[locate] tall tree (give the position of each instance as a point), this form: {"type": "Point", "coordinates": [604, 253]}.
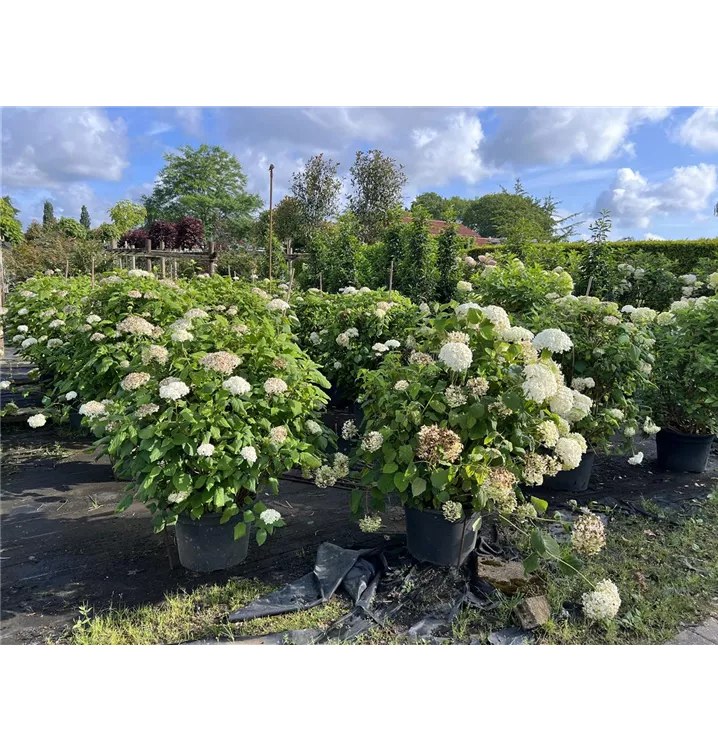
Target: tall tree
{"type": "Point", "coordinates": [85, 218]}
{"type": "Point", "coordinates": [417, 268]}
{"type": "Point", "coordinates": [447, 263]}
{"type": "Point", "coordinates": [48, 215]}
{"type": "Point", "coordinates": [434, 203]}
{"type": "Point", "coordinates": [377, 182]}
{"type": "Point", "coordinates": [127, 215]}
{"type": "Point", "coordinates": [10, 227]}
{"type": "Point", "coordinates": [316, 190]}
{"type": "Point", "coordinates": [205, 183]}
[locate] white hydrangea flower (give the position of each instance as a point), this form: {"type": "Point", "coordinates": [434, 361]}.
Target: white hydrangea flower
{"type": "Point", "coordinates": [461, 310]}
{"type": "Point", "coordinates": [134, 380]}
{"type": "Point", "coordinates": [278, 435]}
{"type": "Point", "coordinates": [274, 386]}
{"type": "Point", "coordinates": [617, 414]}
{"type": "Point", "coordinates": [681, 304]}
{"type": "Point", "coordinates": [498, 316]}
{"type": "Point", "coordinates": [603, 602]}
{"type": "Point", "coordinates": [28, 342]}
{"type": "Point", "coordinates": [464, 286]}
{"type": "Point", "coordinates": [456, 356]}
{"type": "Point", "coordinates": [277, 305]}
{"type": "Point", "coordinates": [4, 385]}
{"type": "Point", "coordinates": [205, 450]}
{"type": "Point", "coordinates": [349, 430]}
{"type": "Point", "coordinates": [221, 362]}
{"type": "Point", "coordinates": [380, 348]}
{"type": "Point", "coordinates": [688, 278]}
{"type": "Point", "coordinates": [581, 406]}
{"type": "Point", "coordinates": [314, 338]}
{"type": "Point", "coordinates": [92, 409]}
{"type": "Point", "coordinates": [37, 420]}
{"type": "Point", "coordinates": [23, 311]}
{"type": "Point", "coordinates": [455, 396]}
{"type": "Point", "coordinates": [270, 516]}
{"type": "Point", "coordinates": [22, 329]}
{"type": "Point", "coordinates": [611, 320]}
{"type": "Point", "coordinates": [392, 344]}
{"type": "Point", "coordinates": [401, 385]}
{"type": "Point", "coordinates": [665, 318]}
{"type": "Point", "coordinates": [540, 383]}
{"type": "Point", "coordinates": [561, 402]}
{"type": "Point", "coordinates": [629, 432]}
{"type": "Point", "coordinates": [569, 452]}
{"type": "Point", "coordinates": [553, 339]}
{"type": "Point", "coordinates": [636, 459]}
{"type": "Point", "coordinates": [372, 442]}
{"type": "Point", "coordinates": [643, 315]}
{"type": "Point", "coordinates": [582, 384]}
{"type": "Point", "coordinates": [173, 389]}
{"type": "Point", "coordinates": [342, 339]}
{"type": "Point", "coordinates": [97, 336]}
{"type": "Point", "coordinates": [54, 343]}
{"type": "Point", "coordinates": [249, 454]}
{"type": "Point", "coordinates": [548, 434]}
{"type": "Point", "coordinates": [237, 386]}
{"type": "Point", "coordinates": [182, 334]}
{"type": "Point", "coordinates": [516, 334]}
{"type": "Point", "coordinates": [650, 427]}
{"type": "Point", "coordinates": [713, 280]}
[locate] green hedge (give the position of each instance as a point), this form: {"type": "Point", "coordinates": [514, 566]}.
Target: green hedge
{"type": "Point", "coordinates": [683, 255]}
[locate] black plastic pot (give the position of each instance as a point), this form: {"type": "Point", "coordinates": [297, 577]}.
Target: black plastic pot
{"type": "Point", "coordinates": [681, 451]}
{"type": "Point", "coordinates": [573, 480]}
{"type": "Point", "coordinates": [431, 538]}
{"type": "Point", "coordinates": [205, 545]}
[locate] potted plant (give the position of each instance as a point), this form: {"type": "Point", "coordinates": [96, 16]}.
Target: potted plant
{"type": "Point", "coordinates": [207, 415]}
{"type": "Point", "coordinates": [606, 368]}
{"type": "Point", "coordinates": [456, 425]}
{"type": "Point", "coordinates": [685, 401]}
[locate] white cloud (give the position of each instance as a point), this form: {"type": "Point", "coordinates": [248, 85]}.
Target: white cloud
{"type": "Point", "coordinates": [191, 119]}
{"type": "Point", "coordinates": [651, 236]}
{"type": "Point", "coordinates": [700, 130]}
{"type": "Point", "coordinates": [67, 200]}
{"type": "Point", "coordinates": [557, 135]}
{"type": "Point", "coordinates": [157, 128]}
{"type": "Point", "coordinates": [633, 201]}
{"type": "Point", "coordinates": [48, 146]}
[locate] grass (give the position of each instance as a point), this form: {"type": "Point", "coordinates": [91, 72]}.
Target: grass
{"type": "Point", "coordinates": [201, 614]}
{"type": "Point", "coordinates": [666, 569]}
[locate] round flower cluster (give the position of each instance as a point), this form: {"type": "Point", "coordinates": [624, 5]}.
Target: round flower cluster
{"type": "Point", "coordinates": [643, 315]}
{"type": "Point", "coordinates": [22, 329]}
{"type": "Point", "coordinates": [97, 336]}
{"type": "Point", "coordinates": [278, 435]}
{"type": "Point", "coordinates": [553, 339]}
{"type": "Point", "coordinates": [195, 312]}
{"type": "Point", "coordinates": [452, 511]}
{"type": "Point", "coordinates": [516, 334]}
{"type": "Point", "coordinates": [277, 305]}
{"type": "Point", "coordinates": [456, 356]}
{"type": "Point", "coordinates": [37, 420]}
{"type": "Point", "coordinates": [540, 383]}
{"type": "Point", "coordinates": [92, 409]}
{"type": "Point", "coordinates": [457, 337]}
{"type": "Point", "coordinates": [315, 338]}
{"type": "Point", "coordinates": [372, 441]}
{"type": "Point", "coordinates": [173, 389]}
{"type": "Point", "coordinates": [146, 409]}
{"type": "Point", "coordinates": [370, 524]}
{"type": "Point", "coordinates": [380, 348]}
{"type": "Point", "coordinates": [525, 512]}
{"type": "Point", "coordinates": [569, 451]}
{"type": "Point", "coordinates": [138, 273]}
{"type": "Point", "coordinates": [325, 477]}
{"type": "Point", "coordinates": [617, 414]}
{"type": "Point", "coordinates": [401, 385]}
{"type": "Point", "coordinates": [205, 450]}
{"type": "Point", "coordinates": [436, 444]}
{"type": "Point", "coordinates": [455, 396]}
{"type": "Point", "coordinates": [498, 316]}
{"type": "Point", "coordinates": [70, 395]}
{"type": "Point", "coordinates": [28, 342]}
{"type": "Point", "coordinates": [636, 459]}
{"type": "Point", "coordinates": [182, 334]}
{"type": "Point", "coordinates": [392, 344]}
{"type": "Point", "coordinates": [270, 516]}
{"type": "Point", "coordinates": [134, 294]}
{"type": "Point", "coordinates": [54, 343]}
{"type": "Point", "coordinates": [603, 602]}
{"type": "Point", "coordinates": [154, 353]}
{"type": "Point", "coordinates": [236, 386]}
{"type": "Point", "coordinates": [464, 286]}
{"type": "Point", "coordinates": [588, 536]}
{"type": "Point", "coordinates": [499, 487]}
{"type": "Point", "coordinates": [312, 427]}
{"type": "Point", "coordinates": [134, 380]}
{"type": "Point", "coordinates": [536, 466]}
{"type": "Point", "coordinates": [611, 320]}
{"type": "Point", "coordinates": [349, 430]}
{"type": "Point", "coordinates": [221, 362]}
{"type": "Point", "coordinates": [274, 386]}
{"type": "Point", "coordinates": [582, 384]}
{"type": "Point", "coordinates": [421, 358]}
{"type": "Point", "coordinates": [477, 387]}
{"type": "Point", "coordinates": [650, 427]}
{"type": "Point", "coordinates": [136, 325]}
{"type": "Point", "coordinates": [249, 454]}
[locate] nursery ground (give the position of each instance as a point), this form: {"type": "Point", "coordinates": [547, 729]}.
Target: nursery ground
{"type": "Point", "coordinates": [66, 552]}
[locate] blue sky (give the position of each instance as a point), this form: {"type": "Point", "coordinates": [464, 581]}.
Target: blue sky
{"type": "Point", "coordinates": [656, 169]}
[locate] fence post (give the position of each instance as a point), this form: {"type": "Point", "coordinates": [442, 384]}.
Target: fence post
{"type": "Point", "coordinates": [212, 259]}
{"type": "Point", "coordinates": [321, 288]}
{"type": "Point", "coordinates": [67, 268]}
{"type": "Point", "coordinates": [148, 249]}
{"type": "Point", "coordinates": [133, 259]}
{"type": "Point", "coordinates": [391, 275]}
{"type": "Point", "coordinates": [163, 267]}
{"type": "Point", "coordinates": [92, 270]}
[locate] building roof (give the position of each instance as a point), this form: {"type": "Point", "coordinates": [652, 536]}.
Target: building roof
{"type": "Point", "coordinates": [436, 226]}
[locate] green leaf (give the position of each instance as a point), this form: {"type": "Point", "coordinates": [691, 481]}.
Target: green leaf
{"type": "Point", "coordinates": [355, 501]}
{"type": "Point", "coordinates": [248, 516]}
{"type": "Point", "coordinates": [240, 530]}
{"type": "Point", "coordinates": [439, 478]}
{"type": "Point", "coordinates": [261, 537]}
{"type": "Point", "coordinates": [531, 563]}
{"type": "Point", "coordinates": [540, 505]}
{"type": "Point", "coordinates": [418, 487]}
{"type": "Point", "coordinates": [390, 468]}
{"type": "Point", "coordinates": [401, 481]}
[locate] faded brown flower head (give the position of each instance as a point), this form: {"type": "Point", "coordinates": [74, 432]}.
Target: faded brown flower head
{"type": "Point", "coordinates": [438, 444]}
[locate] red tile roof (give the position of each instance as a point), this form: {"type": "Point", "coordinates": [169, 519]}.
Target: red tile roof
{"type": "Point", "coordinates": [436, 226]}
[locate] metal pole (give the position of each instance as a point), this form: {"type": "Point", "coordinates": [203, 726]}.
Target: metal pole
{"type": "Point", "coordinates": [391, 275]}
{"type": "Point", "coordinates": [271, 186]}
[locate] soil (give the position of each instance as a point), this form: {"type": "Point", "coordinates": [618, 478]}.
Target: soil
{"type": "Point", "coordinates": [63, 545]}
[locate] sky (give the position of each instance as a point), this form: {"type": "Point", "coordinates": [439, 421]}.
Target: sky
{"type": "Point", "coordinates": [655, 169]}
